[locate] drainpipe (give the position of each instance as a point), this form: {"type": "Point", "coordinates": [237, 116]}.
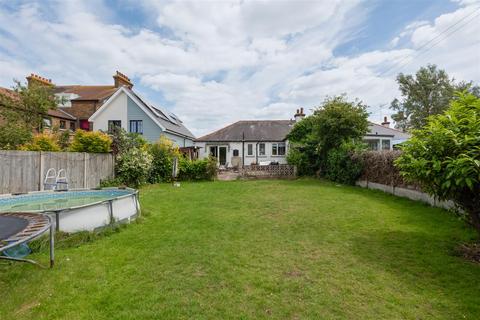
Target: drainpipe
{"type": "Point", "coordinates": [256, 152]}
{"type": "Point", "coordinates": [243, 150]}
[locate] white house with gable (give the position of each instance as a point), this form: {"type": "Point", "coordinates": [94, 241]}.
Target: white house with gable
{"type": "Point", "coordinates": [126, 109]}
{"type": "Point", "coordinates": [265, 141]}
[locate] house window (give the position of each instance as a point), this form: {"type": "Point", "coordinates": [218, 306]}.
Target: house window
{"type": "Point", "coordinates": [213, 151]}
{"type": "Point", "coordinates": [278, 149]}
{"type": "Point", "coordinates": [113, 124]}
{"type": "Point", "coordinates": [261, 149]}
{"type": "Point", "coordinates": [63, 124]}
{"type": "Point", "coordinates": [249, 149]}
{"type": "Point", "coordinates": [47, 122]}
{"type": "Point", "coordinates": [385, 144]}
{"type": "Point", "coordinates": [136, 126]}
{"type": "Point", "coordinates": [372, 144]}
{"type": "Point", "coordinates": [72, 125]}
{"type": "Point", "coordinates": [235, 153]}
{"type": "Point", "coordinates": [281, 148]}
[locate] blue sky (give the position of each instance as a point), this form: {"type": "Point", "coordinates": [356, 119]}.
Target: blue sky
{"type": "Point", "coordinates": [216, 62]}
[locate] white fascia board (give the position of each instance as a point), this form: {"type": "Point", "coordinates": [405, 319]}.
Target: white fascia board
{"type": "Point", "coordinates": [145, 109]}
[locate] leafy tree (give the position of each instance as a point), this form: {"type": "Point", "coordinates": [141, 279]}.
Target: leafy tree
{"type": "Point", "coordinates": [303, 147]}
{"type": "Point", "coordinates": [426, 93]}
{"type": "Point", "coordinates": [22, 110]}
{"type": "Point", "coordinates": [338, 120]}
{"type": "Point", "coordinates": [334, 122]}
{"type": "Point", "coordinates": [13, 134]}
{"type": "Point", "coordinates": [28, 104]}
{"type": "Point", "coordinates": [444, 156]}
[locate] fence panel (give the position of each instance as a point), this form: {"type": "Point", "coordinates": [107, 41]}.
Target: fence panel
{"type": "Point", "coordinates": [271, 171]}
{"type": "Point", "coordinates": [24, 171]}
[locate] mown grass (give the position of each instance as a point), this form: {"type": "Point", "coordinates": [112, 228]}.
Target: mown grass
{"type": "Point", "coordinates": [301, 249]}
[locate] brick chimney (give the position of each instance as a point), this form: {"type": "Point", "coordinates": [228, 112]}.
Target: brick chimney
{"type": "Point", "coordinates": [122, 80]}
{"type": "Point", "coordinates": [385, 122]}
{"type": "Point", "coordinates": [36, 79]}
{"type": "Point", "coordinates": [299, 115]}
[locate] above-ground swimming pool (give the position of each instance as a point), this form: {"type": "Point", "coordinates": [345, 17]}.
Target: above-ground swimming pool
{"type": "Point", "coordinates": [77, 210]}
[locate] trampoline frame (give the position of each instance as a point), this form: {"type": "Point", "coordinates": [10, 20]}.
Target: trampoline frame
{"type": "Point", "coordinates": [18, 238]}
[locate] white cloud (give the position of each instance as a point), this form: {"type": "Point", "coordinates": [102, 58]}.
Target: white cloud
{"type": "Point", "coordinates": [225, 61]}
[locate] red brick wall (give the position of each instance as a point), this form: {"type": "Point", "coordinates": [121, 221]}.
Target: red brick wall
{"type": "Point", "coordinates": [82, 109]}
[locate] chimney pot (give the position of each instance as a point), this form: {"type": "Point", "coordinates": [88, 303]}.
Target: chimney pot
{"type": "Point", "coordinates": [122, 80]}
{"type": "Point", "coordinates": [385, 122]}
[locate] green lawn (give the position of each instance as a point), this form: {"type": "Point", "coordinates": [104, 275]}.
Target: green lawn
{"type": "Point", "coordinates": [301, 249]}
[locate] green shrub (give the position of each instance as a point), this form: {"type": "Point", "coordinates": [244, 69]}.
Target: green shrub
{"type": "Point", "coordinates": [13, 135]}
{"type": "Point", "coordinates": [444, 156]}
{"type": "Point", "coordinates": [42, 142]}
{"type": "Point", "coordinates": [64, 140]}
{"type": "Point", "coordinates": [204, 169]}
{"type": "Point", "coordinates": [90, 141]}
{"type": "Point", "coordinates": [123, 141]}
{"type": "Point", "coordinates": [299, 157]}
{"type": "Point", "coordinates": [341, 165]}
{"type": "Point", "coordinates": [163, 152]}
{"type": "Point", "coordinates": [113, 182]}
{"type": "Point", "coordinates": [133, 166]}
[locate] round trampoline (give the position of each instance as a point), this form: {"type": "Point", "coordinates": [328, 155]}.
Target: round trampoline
{"type": "Point", "coordinates": [17, 228]}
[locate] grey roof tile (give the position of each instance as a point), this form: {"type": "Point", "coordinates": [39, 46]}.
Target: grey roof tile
{"type": "Point", "coordinates": [252, 130]}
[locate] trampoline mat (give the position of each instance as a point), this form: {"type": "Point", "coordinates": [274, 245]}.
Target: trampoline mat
{"type": "Point", "coordinates": [10, 226]}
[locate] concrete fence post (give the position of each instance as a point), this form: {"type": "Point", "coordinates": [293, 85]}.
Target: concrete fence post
{"type": "Point", "coordinates": [85, 170]}
{"type": "Point", "coordinates": [41, 169]}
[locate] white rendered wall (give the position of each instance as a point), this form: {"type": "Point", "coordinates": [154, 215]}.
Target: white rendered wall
{"type": "Point", "coordinates": [116, 110]}
{"type": "Point", "coordinates": [205, 151]}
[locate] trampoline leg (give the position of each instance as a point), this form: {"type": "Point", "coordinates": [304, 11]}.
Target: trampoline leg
{"type": "Point", "coordinates": [52, 245]}
{"type": "Point", "coordinates": [23, 260]}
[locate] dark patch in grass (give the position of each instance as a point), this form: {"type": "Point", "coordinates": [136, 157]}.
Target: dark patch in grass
{"type": "Point", "coordinates": [469, 251]}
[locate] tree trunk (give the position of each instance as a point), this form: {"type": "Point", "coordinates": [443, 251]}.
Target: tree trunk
{"type": "Point", "coordinates": [475, 218]}
{"type": "Point", "coordinates": [470, 202]}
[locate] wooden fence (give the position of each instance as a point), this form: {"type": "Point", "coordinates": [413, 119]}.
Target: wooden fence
{"type": "Point", "coordinates": [24, 171]}
{"type": "Point", "coordinates": [284, 171]}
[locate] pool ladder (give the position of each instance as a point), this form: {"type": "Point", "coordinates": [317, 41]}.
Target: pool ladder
{"type": "Point", "coordinates": [55, 180]}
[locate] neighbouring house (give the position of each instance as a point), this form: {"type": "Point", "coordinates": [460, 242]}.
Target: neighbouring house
{"type": "Point", "coordinates": [126, 109]}
{"type": "Point", "coordinates": [265, 141]}
{"type": "Point", "coordinates": [249, 142]}
{"type": "Point", "coordinates": [382, 137]}
{"type": "Point", "coordinates": [102, 107]}
{"type": "Point", "coordinates": [51, 119]}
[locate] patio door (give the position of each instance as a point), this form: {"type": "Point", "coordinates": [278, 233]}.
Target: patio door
{"type": "Point", "coordinates": [213, 152]}
{"type": "Point", "coordinates": [222, 155]}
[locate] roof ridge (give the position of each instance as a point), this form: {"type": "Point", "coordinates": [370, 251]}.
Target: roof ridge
{"type": "Point", "coordinates": [216, 131]}
{"type": "Point", "coordinates": [393, 129]}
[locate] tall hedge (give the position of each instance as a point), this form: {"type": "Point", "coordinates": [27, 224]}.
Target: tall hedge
{"type": "Point", "coordinates": [379, 167]}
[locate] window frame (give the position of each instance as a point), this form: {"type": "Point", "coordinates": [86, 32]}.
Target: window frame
{"type": "Point", "coordinates": [250, 149]}
{"type": "Point", "coordinates": [387, 142]}
{"type": "Point", "coordinates": [72, 126]}
{"type": "Point", "coordinates": [136, 123]}
{"type": "Point", "coordinates": [260, 153]}
{"type": "Point", "coordinates": [114, 124]}
{"type": "Point", "coordinates": [279, 146]}
{"type": "Point", "coordinates": [62, 124]}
